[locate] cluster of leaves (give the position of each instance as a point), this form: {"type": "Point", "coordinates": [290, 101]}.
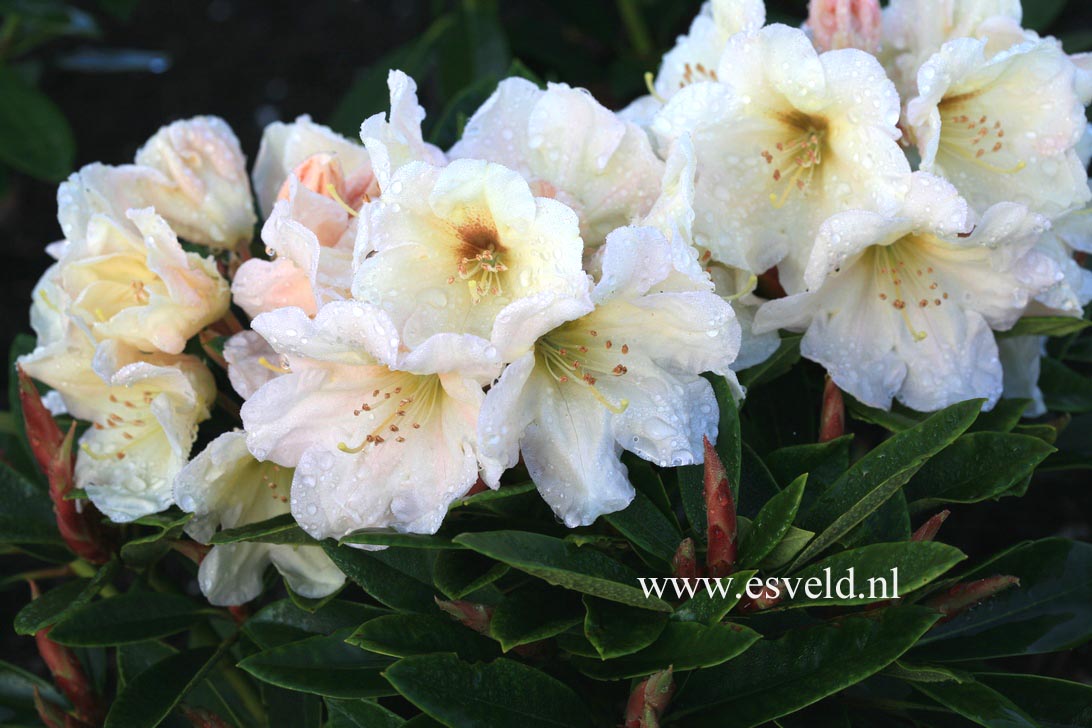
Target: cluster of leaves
{"type": "Point", "coordinates": [507, 618]}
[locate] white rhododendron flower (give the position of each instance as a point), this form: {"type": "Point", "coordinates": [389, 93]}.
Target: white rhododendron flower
{"type": "Point", "coordinates": [902, 305]}
{"type": "Point", "coordinates": [1003, 128]}
{"type": "Point", "coordinates": [673, 215]}
{"type": "Point", "coordinates": [208, 199]}
{"type": "Point", "coordinates": [570, 148]}
{"type": "Point", "coordinates": [786, 138]}
{"type": "Point", "coordinates": [225, 487]}
{"type": "Point", "coordinates": [378, 437]}
{"type": "Point", "coordinates": [395, 140]}
{"type": "Point", "coordinates": [192, 172]}
{"type": "Point", "coordinates": [133, 282]}
{"type": "Point", "coordinates": [249, 358]}
{"type": "Point", "coordinates": [696, 55]}
{"type": "Point", "coordinates": [454, 246]}
{"type": "Point", "coordinates": [285, 148]}
{"type": "Point", "coordinates": [916, 29]}
{"type": "Point", "coordinates": [623, 375]}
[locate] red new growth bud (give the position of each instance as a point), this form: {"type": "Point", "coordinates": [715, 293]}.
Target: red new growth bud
{"type": "Point", "coordinates": [684, 564]}
{"type": "Point", "coordinates": [957, 599]}
{"type": "Point", "coordinates": [68, 674]}
{"type": "Point", "coordinates": [720, 512]}
{"type": "Point", "coordinates": [649, 699]}
{"type": "Point", "coordinates": [82, 532]}
{"type": "Point", "coordinates": [53, 715]}
{"type": "Point", "coordinates": [832, 417]}
{"type": "Point", "coordinates": [474, 616]}
{"type": "Point", "coordinates": [201, 718]}
{"type": "Point", "coordinates": [928, 530]}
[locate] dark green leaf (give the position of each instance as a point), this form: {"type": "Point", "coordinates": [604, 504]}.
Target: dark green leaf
{"type": "Point", "coordinates": [323, 665]}
{"type": "Point", "coordinates": [145, 550]}
{"type": "Point", "coordinates": [771, 524]}
{"type": "Point", "coordinates": [710, 605]}
{"type": "Point", "coordinates": [132, 617]}
{"type": "Point", "coordinates": [283, 621]}
{"type": "Point", "coordinates": [918, 563]}
{"type": "Point", "coordinates": [1004, 416]}
{"type": "Point", "coordinates": [897, 419]}
{"type": "Point", "coordinates": [386, 537]}
{"type": "Point", "coordinates": [34, 135]}
{"type": "Point", "coordinates": [27, 515]}
{"type": "Point", "coordinates": [977, 466]}
{"type": "Point", "coordinates": [1064, 389]}
{"type": "Point", "coordinates": [280, 529]}
{"type": "Point", "coordinates": [648, 528]}
{"type": "Point", "coordinates": [402, 635]}
{"type": "Point", "coordinates": [978, 703]}
{"type": "Point", "coordinates": [787, 354]}
{"type": "Point", "coordinates": [777, 677]}
{"type": "Point", "coordinates": [874, 478]}
{"type": "Point", "coordinates": [822, 461]}
{"type": "Point", "coordinates": [534, 612]}
{"type": "Point", "coordinates": [488, 496]}
{"type": "Point", "coordinates": [682, 645]}
{"type": "Point", "coordinates": [360, 714]}
{"type": "Point", "coordinates": [1050, 610]}
{"type": "Point", "coordinates": [1051, 703]}
{"type": "Point", "coordinates": [17, 695]}
{"type": "Point", "coordinates": [458, 573]}
{"type": "Point", "coordinates": [149, 697]}
{"type": "Point", "coordinates": [500, 694]}
{"type": "Point", "coordinates": [615, 629]}
{"type": "Point", "coordinates": [55, 604]}
{"type": "Point", "coordinates": [399, 578]}
{"type": "Point", "coordinates": [563, 564]}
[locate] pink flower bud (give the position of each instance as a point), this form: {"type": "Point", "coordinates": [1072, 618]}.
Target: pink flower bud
{"type": "Point", "coordinates": [720, 511]}
{"type": "Point", "coordinates": [649, 699]}
{"type": "Point", "coordinates": [838, 24]}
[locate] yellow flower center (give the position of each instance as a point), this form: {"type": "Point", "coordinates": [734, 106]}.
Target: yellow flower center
{"type": "Point", "coordinates": [581, 357]}
{"type": "Point", "coordinates": [905, 280]}
{"type": "Point", "coordinates": [796, 158]}
{"type": "Point", "coordinates": [478, 255]}
{"type": "Point", "coordinates": [974, 137]}
{"type": "Point", "coordinates": [396, 409]}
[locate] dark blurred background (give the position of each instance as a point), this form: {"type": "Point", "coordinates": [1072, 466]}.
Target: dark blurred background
{"type": "Point", "coordinates": [90, 81]}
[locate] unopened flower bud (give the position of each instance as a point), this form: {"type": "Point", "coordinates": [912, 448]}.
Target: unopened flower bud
{"type": "Point", "coordinates": [720, 510]}
{"type": "Point", "coordinates": [838, 24]}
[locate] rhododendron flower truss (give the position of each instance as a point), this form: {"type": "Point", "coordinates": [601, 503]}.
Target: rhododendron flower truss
{"type": "Point", "coordinates": [623, 375]}
{"type": "Point", "coordinates": [225, 487]}
{"type": "Point", "coordinates": [1002, 128]}
{"type": "Point", "coordinates": [785, 138]}
{"type": "Point", "coordinates": [569, 148]}
{"type": "Point", "coordinates": [379, 437]}
{"type": "Point", "coordinates": [454, 246]}
{"type": "Point", "coordinates": [902, 306]}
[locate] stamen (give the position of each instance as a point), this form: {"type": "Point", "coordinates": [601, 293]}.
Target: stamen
{"type": "Point", "coordinates": [332, 192]}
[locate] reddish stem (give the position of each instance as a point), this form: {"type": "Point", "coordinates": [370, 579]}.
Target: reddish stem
{"type": "Point", "coordinates": [720, 509]}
